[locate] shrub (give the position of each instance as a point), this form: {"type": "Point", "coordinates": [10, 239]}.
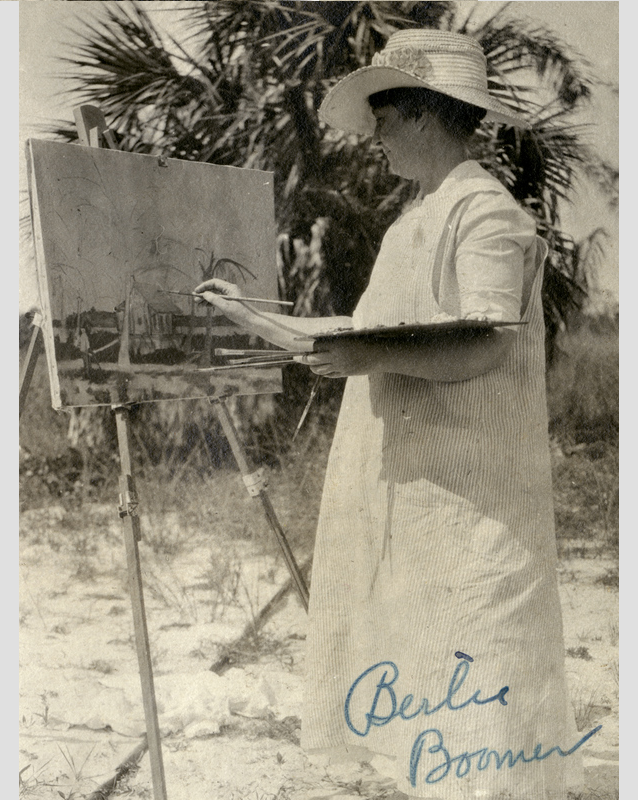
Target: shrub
{"type": "Point", "coordinates": [583, 384]}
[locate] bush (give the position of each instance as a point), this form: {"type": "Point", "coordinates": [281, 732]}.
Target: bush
{"type": "Point", "coordinates": [586, 502]}
{"type": "Point", "coordinates": [583, 384]}
{"type": "Point", "coordinates": [583, 422]}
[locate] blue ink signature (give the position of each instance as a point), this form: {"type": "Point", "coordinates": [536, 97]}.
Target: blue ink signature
{"type": "Point", "coordinates": [485, 756]}
{"type": "Point", "coordinates": [384, 689]}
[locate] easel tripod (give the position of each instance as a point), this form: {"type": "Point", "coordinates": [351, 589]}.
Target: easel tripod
{"type": "Point", "coordinates": [93, 131]}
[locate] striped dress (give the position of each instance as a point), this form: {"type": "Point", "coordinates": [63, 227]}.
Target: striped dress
{"type": "Point", "coordinates": [435, 561]}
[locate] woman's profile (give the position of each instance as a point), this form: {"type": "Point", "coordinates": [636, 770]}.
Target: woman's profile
{"type": "Point", "coordinates": [435, 644]}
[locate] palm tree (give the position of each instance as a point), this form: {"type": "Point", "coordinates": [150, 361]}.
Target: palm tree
{"type": "Point", "coordinates": [246, 93]}
{"type": "Point", "coordinates": [243, 89]}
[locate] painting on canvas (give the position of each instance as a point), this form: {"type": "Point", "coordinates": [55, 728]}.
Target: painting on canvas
{"type": "Point", "coordinates": [121, 241]}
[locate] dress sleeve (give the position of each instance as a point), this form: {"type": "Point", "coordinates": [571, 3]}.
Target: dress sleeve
{"type": "Point", "coordinates": [493, 237]}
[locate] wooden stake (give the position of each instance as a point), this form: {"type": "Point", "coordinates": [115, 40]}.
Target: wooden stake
{"type": "Point", "coordinates": [226, 662]}
{"type": "Point", "coordinates": [91, 125]}
{"type": "Point", "coordinates": [130, 763]}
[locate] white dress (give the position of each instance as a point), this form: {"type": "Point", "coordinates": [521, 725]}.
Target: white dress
{"type": "Point", "coordinates": [435, 556]}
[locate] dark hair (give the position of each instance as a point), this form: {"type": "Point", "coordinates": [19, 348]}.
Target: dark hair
{"type": "Point", "coordinates": [459, 119]}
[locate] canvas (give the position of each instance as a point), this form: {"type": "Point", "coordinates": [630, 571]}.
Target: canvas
{"type": "Point", "coordinates": [119, 237]}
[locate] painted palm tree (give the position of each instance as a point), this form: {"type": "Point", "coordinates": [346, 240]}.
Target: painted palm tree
{"type": "Point", "coordinates": [244, 89]}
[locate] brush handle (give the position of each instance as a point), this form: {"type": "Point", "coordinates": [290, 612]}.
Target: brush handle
{"type": "Point", "coordinates": [245, 365]}
{"type": "Point", "coordinates": [231, 297]}
{"type": "Point", "coordinates": [223, 351]}
{"type": "Point", "coordinates": [257, 300]}
{"type": "Point", "coordinates": [263, 359]}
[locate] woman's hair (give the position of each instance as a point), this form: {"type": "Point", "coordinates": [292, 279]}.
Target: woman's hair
{"type": "Point", "coordinates": [459, 119]}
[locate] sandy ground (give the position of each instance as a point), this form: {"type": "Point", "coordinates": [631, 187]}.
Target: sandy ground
{"type": "Point", "coordinates": [224, 737]}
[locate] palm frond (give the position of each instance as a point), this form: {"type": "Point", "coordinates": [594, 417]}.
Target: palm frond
{"type": "Point", "coordinates": [510, 46]}
{"type": "Point", "coordinates": [605, 176]}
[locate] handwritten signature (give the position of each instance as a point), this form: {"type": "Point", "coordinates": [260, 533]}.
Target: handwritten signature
{"type": "Point", "coordinates": [384, 689]}
{"type": "Point", "coordinates": [485, 756]}
{"type": "Point", "coordinates": [481, 759]}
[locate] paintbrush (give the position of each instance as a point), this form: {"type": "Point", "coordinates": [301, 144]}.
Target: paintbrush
{"type": "Point", "coordinates": [313, 392]}
{"type": "Point", "coordinates": [244, 365]}
{"type": "Point", "coordinates": [288, 357]}
{"type": "Point", "coordinates": [224, 351]}
{"type": "Point", "coordinates": [230, 297]}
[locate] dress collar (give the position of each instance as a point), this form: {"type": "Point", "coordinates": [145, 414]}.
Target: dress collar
{"type": "Point", "coordinates": [465, 170]}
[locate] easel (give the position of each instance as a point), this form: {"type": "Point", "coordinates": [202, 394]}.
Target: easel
{"type": "Point", "coordinates": [92, 132]}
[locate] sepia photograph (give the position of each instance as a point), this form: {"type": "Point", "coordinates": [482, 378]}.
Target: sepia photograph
{"type": "Point", "coordinates": [319, 390]}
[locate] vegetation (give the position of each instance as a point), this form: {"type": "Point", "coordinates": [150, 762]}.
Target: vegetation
{"type": "Point", "coordinates": [583, 383]}
{"type": "Point", "coordinates": [583, 422]}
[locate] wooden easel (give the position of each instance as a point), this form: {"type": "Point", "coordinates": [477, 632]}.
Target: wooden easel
{"type": "Point", "coordinates": [93, 132]}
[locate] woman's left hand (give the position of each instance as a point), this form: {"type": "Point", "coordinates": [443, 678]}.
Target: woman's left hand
{"type": "Point", "coordinates": [342, 358]}
{"type": "Point", "coordinates": [449, 361]}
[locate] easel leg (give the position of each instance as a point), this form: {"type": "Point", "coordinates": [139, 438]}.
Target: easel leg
{"type": "Point", "coordinates": [255, 488]}
{"type": "Point", "coordinates": [132, 535]}
{"type": "Point", "coordinates": [35, 346]}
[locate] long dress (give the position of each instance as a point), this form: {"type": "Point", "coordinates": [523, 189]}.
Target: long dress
{"type": "Point", "coordinates": [434, 572]}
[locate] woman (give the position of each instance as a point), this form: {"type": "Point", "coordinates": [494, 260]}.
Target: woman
{"type": "Point", "coordinates": [435, 646]}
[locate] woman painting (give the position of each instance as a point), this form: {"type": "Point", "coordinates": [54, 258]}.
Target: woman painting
{"type": "Point", "coordinates": [435, 645]}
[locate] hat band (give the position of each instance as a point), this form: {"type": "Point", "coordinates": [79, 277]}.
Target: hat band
{"type": "Point", "coordinates": [442, 69]}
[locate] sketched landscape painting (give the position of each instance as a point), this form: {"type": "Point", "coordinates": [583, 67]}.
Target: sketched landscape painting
{"type": "Point", "coordinates": [119, 237]}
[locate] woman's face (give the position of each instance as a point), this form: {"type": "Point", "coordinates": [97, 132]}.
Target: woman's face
{"type": "Point", "coordinates": [398, 137]}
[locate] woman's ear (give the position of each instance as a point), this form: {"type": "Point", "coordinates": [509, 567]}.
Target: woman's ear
{"type": "Point", "coordinates": [424, 122]}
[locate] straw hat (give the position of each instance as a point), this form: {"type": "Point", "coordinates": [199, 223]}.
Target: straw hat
{"type": "Point", "coordinates": [449, 63]}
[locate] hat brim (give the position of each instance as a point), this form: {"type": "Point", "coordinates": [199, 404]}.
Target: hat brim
{"type": "Point", "coordinates": [346, 105]}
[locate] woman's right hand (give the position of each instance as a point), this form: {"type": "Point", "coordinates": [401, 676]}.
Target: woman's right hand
{"type": "Point", "coordinates": [214, 290]}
